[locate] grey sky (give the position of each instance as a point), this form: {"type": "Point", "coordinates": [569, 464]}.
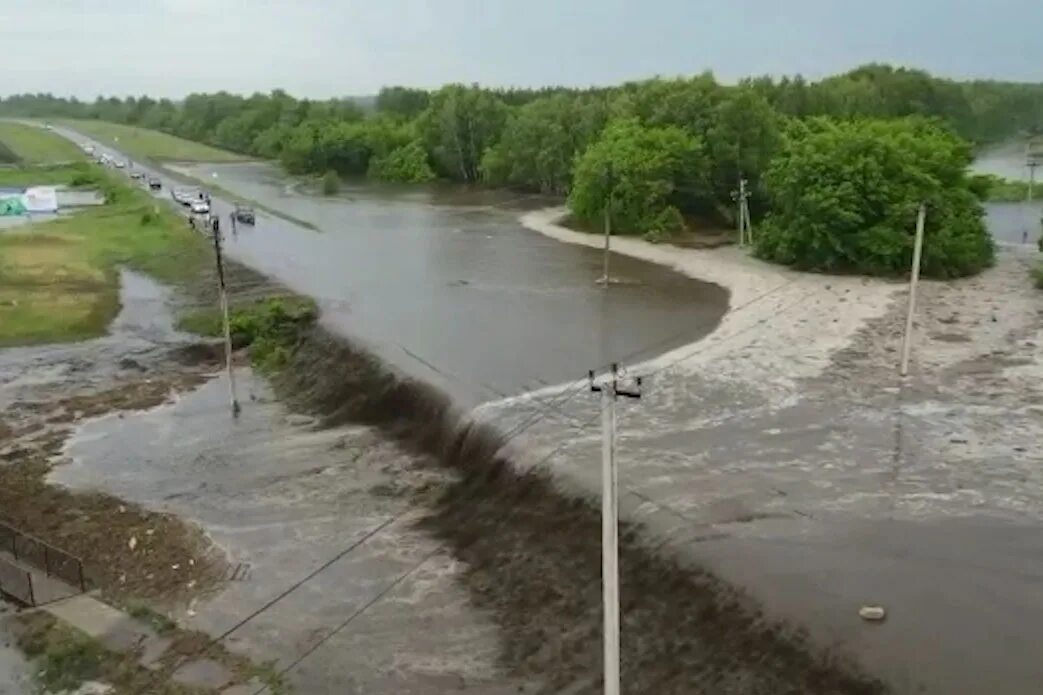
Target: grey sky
{"type": "Point", "coordinates": [336, 47]}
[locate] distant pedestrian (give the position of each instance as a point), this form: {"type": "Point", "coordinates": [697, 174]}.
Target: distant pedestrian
{"type": "Point", "coordinates": [216, 225]}
{"type": "Point", "coordinates": [232, 218]}
{"type": "Point", "coordinates": [1024, 236]}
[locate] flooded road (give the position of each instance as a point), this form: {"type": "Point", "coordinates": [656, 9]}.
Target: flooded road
{"type": "Point", "coordinates": [783, 454]}
{"type": "Point", "coordinates": [1010, 223]}
{"type": "Point", "coordinates": [447, 285]}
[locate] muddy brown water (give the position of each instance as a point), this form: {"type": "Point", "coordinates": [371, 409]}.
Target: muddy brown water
{"type": "Point", "coordinates": [445, 283]}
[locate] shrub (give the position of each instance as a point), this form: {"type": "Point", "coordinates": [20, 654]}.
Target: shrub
{"type": "Point", "coordinates": [637, 172]}
{"type": "Point", "coordinates": [845, 196]}
{"type": "Point", "coordinates": [330, 182]}
{"type": "Point", "coordinates": [406, 164]}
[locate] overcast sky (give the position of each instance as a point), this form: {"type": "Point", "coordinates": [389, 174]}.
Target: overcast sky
{"type": "Point", "coordinates": [339, 47]}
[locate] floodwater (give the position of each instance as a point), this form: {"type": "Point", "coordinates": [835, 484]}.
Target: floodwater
{"type": "Point", "coordinates": [280, 497]}
{"type": "Point", "coordinates": [1010, 223]}
{"type": "Point", "coordinates": [447, 285]}
{"type": "Point", "coordinates": [1007, 160]}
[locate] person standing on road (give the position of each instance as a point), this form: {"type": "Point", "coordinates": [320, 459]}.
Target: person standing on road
{"type": "Point", "coordinates": [232, 218]}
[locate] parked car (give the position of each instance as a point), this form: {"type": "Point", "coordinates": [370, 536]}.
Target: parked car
{"type": "Point", "coordinates": [120, 164]}
{"type": "Point", "coordinates": [154, 183]}
{"type": "Point", "coordinates": [200, 207]}
{"type": "Point", "coordinates": [244, 214]}
{"type": "Point", "coordinates": [137, 175]}
{"type": "Point", "coordinates": [185, 196]}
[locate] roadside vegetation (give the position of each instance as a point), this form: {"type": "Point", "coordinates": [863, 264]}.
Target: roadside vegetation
{"type": "Point", "coordinates": [30, 145]}
{"type": "Point", "coordinates": [64, 659]}
{"type": "Point", "coordinates": [268, 327]}
{"type": "Point", "coordinates": [664, 156]}
{"type": "Point", "coordinates": [143, 143]}
{"type": "Point", "coordinates": [59, 279]}
{"type": "Point", "coordinates": [997, 189]}
{"type": "Point", "coordinates": [845, 195]}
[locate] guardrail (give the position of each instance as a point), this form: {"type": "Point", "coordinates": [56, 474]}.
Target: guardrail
{"type": "Point", "coordinates": [44, 556]}
{"type": "Point", "coordinates": [16, 583]}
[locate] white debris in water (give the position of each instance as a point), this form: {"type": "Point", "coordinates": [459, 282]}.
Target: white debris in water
{"type": "Point", "coordinates": [872, 613]}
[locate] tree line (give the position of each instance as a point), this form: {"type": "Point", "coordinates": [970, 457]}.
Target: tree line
{"type": "Point", "coordinates": [656, 154]}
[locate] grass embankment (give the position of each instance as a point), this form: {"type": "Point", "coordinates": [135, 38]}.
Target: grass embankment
{"type": "Point", "coordinates": [59, 279]}
{"type": "Point", "coordinates": [151, 144]}
{"type": "Point", "coordinates": [31, 145]}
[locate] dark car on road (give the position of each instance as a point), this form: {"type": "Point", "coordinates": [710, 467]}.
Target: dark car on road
{"type": "Point", "coordinates": [244, 214]}
{"type": "Point", "coordinates": [154, 183]}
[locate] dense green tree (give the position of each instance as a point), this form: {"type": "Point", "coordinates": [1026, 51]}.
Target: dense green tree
{"type": "Point", "coordinates": [405, 164]}
{"type": "Point", "coordinates": [403, 101]}
{"type": "Point", "coordinates": [741, 141]}
{"type": "Point", "coordinates": [636, 172]}
{"type": "Point", "coordinates": [845, 195]}
{"type": "Point", "coordinates": [541, 140]}
{"type": "Point", "coordinates": [458, 126]}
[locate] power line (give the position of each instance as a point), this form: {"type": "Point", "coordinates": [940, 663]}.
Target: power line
{"type": "Point", "coordinates": [398, 580]}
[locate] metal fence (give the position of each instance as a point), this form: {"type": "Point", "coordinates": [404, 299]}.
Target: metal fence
{"type": "Point", "coordinates": [16, 583]}
{"type": "Point", "coordinates": [33, 551]}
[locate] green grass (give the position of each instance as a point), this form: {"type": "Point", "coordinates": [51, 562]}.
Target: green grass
{"type": "Point", "coordinates": [76, 175]}
{"type": "Point", "coordinates": [151, 144]}
{"type": "Point", "coordinates": [146, 614]}
{"type": "Point", "coordinates": [59, 279]}
{"type": "Point", "coordinates": [64, 657]}
{"type": "Point", "coordinates": [1001, 190]}
{"type": "Point", "coordinates": [34, 145]}
{"type": "Point", "coordinates": [269, 327]}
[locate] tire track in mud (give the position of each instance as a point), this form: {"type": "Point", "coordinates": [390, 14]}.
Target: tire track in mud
{"type": "Point", "coordinates": [532, 555]}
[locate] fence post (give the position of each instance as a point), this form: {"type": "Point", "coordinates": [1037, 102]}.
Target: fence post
{"type": "Point", "coordinates": [46, 562]}
{"type": "Point", "coordinates": [32, 594]}
{"type": "Point", "coordinates": [79, 571]}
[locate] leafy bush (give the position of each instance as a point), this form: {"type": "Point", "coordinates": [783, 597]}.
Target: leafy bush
{"type": "Point", "coordinates": [270, 328]}
{"type": "Point", "coordinates": [406, 164]}
{"type": "Point", "coordinates": [1000, 190]}
{"type": "Point", "coordinates": [845, 196]}
{"type": "Point", "coordinates": [330, 182]}
{"type": "Point", "coordinates": [637, 172]}
{"type": "Point", "coordinates": [1037, 274]}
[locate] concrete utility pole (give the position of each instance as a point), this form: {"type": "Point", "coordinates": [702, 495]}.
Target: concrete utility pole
{"type": "Point", "coordinates": [914, 279]}
{"type": "Point", "coordinates": [742, 198]}
{"type": "Point", "coordinates": [609, 182]}
{"type": "Point", "coordinates": [216, 232]}
{"type": "Point", "coordinates": [1032, 164]}
{"type": "Point", "coordinates": [610, 390]}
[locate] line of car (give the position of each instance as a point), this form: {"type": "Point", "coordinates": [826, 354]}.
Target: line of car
{"type": "Point", "coordinates": [196, 200]}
